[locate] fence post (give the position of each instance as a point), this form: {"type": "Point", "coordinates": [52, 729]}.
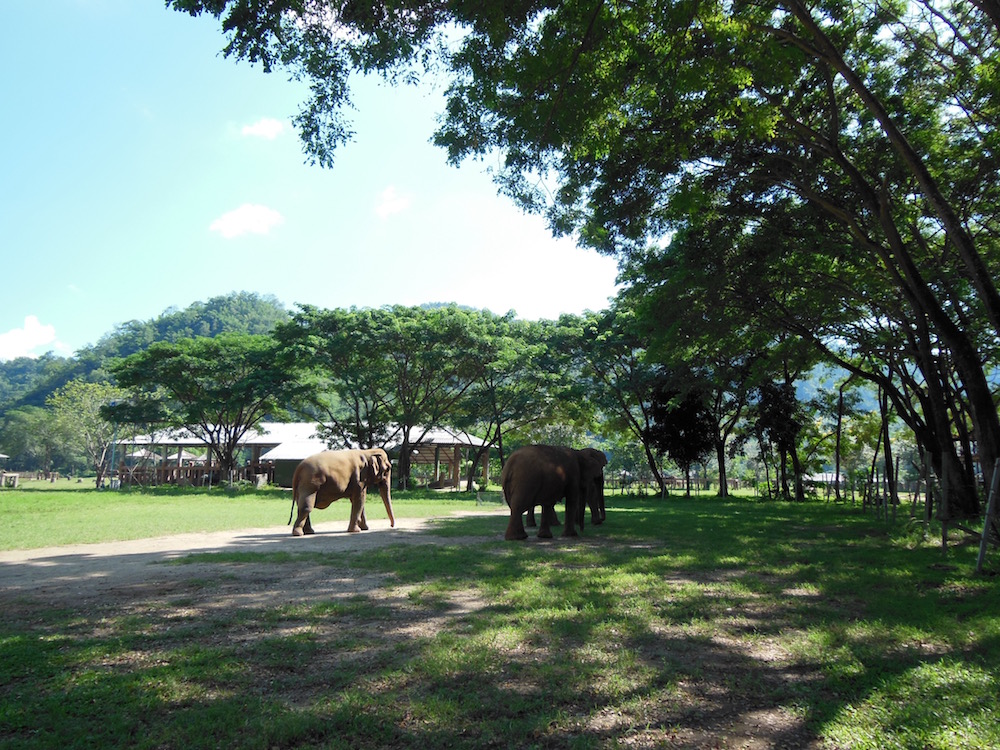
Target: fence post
{"type": "Point", "coordinates": [990, 510]}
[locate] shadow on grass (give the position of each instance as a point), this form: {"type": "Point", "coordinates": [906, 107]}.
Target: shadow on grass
{"type": "Point", "coordinates": [685, 622]}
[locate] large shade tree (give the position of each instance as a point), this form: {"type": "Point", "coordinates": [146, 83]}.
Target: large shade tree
{"type": "Point", "coordinates": [340, 352]}
{"type": "Point", "coordinates": [217, 388]}
{"type": "Point", "coordinates": [391, 374]}
{"type": "Point", "coordinates": [626, 121]}
{"type": "Point", "coordinates": [612, 374]}
{"type": "Point", "coordinates": [683, 426]}
{"type": "Point", "coordinates": [518, 384]}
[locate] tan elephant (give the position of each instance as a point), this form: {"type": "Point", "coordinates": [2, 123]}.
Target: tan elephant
{"type": "Point", "coordinates": [331, 475]}
{"type": "Point", "coordinates": [544, 474]}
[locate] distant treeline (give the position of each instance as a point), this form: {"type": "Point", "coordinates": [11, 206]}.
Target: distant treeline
{"type": "Point", "coordinates": [28, 381]}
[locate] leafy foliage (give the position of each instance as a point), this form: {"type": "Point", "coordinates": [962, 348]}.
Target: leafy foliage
{"type": "Point", "coordinates": [682, 426]}
{"type": "Point", "coordinates": [77, 409]}
{"type": "Point", "coordinates": [396, 372]}
{"type": "Point", "coordinates": [217, 388]}
{"type": "Point", "coordinates": [837, 160]}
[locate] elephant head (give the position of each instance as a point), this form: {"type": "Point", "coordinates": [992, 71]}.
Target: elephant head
{"type": "Point", "coordinates": [592, 463]}
{"type": "Point", "coordinates": [379, 474]}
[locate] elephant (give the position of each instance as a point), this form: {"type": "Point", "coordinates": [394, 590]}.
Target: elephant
{"type": "Point", "coordinates": [331, 475]}
{"type": "Point", "coordinates": [542, 475]}
{"type": "Point", "coordinates": [592, 463]}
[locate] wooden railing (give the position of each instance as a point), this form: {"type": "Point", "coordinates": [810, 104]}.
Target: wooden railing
{"type": "Point", "coordinates": [194, 475]}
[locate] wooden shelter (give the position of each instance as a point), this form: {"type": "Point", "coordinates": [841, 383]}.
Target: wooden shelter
{"type": "Point", "coordinates": [444, 448]}
{"type": "Point", "coordinates": [162, 458]}
{"type": "Point", "coordinates": [441, 447]}
{"type": "Point", "coordinates": [274, 450]}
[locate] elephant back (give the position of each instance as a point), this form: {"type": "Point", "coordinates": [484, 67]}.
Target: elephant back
{"type": "Point", "coordinates": [537, 462]}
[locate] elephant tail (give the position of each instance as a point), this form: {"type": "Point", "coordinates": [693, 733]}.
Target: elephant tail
{"type": "Point", "coordinates": [295, 492]}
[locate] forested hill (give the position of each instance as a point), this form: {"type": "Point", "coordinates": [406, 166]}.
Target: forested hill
{"type": "Point", "coordinates": [28, 382]}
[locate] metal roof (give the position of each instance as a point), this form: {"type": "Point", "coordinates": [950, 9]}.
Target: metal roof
{"type": "Point", "coordinates": [298, 440]}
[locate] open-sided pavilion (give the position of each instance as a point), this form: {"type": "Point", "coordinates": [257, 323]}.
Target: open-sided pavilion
{"type": "Point", "coordinates": [275, 449]}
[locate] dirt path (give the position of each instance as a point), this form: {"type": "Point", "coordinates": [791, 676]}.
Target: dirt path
{"type": "Point", "coordinates": [84, 571]}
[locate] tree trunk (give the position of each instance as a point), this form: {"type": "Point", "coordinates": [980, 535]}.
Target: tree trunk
{"type": "Point", "coordinates": [786, 491]}
{"type": "Point", "coordinates": [840, 431]}
{"type": "Point", "coordinates": [403, 471]}
{"type": "Point", "coordinates": [654, 467]}
{"type": "Point", "coordinates": [800, 490]}
{"type": "Point", "coordinates": [720, 454]}
{"type": "Point", "coordinates": [890, 474]}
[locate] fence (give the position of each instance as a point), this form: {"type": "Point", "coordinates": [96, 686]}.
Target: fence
{"type": "Point", "coordinates": [194, 475]}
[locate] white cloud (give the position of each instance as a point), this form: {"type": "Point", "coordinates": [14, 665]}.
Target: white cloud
{"type": "Point", "coordinates": [266, 127]}
{"type": "Point", "coordinates": [21, 342]}
{"type": "Point", "coordinates": [391, 202]}
{"type": "Point", "coordinates": [250, 218]}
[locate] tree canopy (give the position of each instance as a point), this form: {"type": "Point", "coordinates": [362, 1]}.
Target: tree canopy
{"type": "Point", "coordinates": [397, 372]}
{"type": "Point", "coordinates": [217, 388]}
{"type": "Point", "coordinates": [838, 158]}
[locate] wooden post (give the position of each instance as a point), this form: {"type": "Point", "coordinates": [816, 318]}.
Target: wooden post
{"type": "Point", "coordinates": [990, 511]}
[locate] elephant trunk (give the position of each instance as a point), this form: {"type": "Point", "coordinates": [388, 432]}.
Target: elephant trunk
{"type": "Point", "coordinates": [383, 490]}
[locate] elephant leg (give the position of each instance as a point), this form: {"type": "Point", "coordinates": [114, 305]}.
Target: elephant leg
{"type": "Point", "coordinates": [572, 514]}
{"type": "Point", "coordinates": [549, 516]}
{"type": "Point", "coordinates": [529, 518]}
{"type": "Point", "coordinates": [515, 527]}
{"type": "Point", "coordinates": [303, 524]}
{"type": "Point", "coordinates": [545, 530]}
{"type": "Point", "coordinates": [363, 522]}
{"type": "Point", "coordinates": [357, 513]}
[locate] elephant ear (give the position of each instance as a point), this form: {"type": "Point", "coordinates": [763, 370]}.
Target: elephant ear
{"type": "Point", "coordinates": [600, 458]}
{"type": "Point", "coordinates": [379, 466]}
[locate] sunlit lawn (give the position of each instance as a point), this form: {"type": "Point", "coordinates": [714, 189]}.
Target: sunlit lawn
{"type": "Point", "coordinates": [42, 514]}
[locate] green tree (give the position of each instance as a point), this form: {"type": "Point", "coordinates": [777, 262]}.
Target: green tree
{"type": "Point", "coordinates": [516, 387]}
{"type": "Point", "coordinates": [217, 388]}
{"type": "Point", "coordinates": [395, 372]}
{"type": "Point", "coordinates": [612, 371]}
{"type": "Point", "coordinates": [34, 439]}
{"type": "Point", "coordinates": [339, 352]}
{"type": "Point", "coordinates": [78, 408]}
{"type": "Point", "coordinates": [875, 121]}
{"type": "Point", "coordinates": [682, 426]}
{"type": "Point", "coordinates": [777, 422]}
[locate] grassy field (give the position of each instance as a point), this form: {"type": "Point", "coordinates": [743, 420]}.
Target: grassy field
{"type": "Point", "coordinates": [44, 514]}
{"type": "Point", "coordinates": [679, 623]}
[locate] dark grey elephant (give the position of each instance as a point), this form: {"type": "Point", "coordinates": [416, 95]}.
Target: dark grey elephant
{"type": "Point", "coordinates": [331, 475]}
{"type": "Point", "coordinates": [592, 463]}
{"type": "Point", "coordinates": [544, 474]}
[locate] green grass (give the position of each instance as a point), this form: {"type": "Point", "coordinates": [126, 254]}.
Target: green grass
{"type": "Point", "coordinates": [675, 623]}
{"type": "Point", "coordinates": [43, 514]}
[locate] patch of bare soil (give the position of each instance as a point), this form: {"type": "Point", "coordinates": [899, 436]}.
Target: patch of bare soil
{"type": "Point", "coordinates": [114, 570]}
{"type": "Point", "coordinates": [727, 699]}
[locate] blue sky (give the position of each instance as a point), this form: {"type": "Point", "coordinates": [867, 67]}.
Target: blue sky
{"type": "Point", "coordinates": [141, 171]}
